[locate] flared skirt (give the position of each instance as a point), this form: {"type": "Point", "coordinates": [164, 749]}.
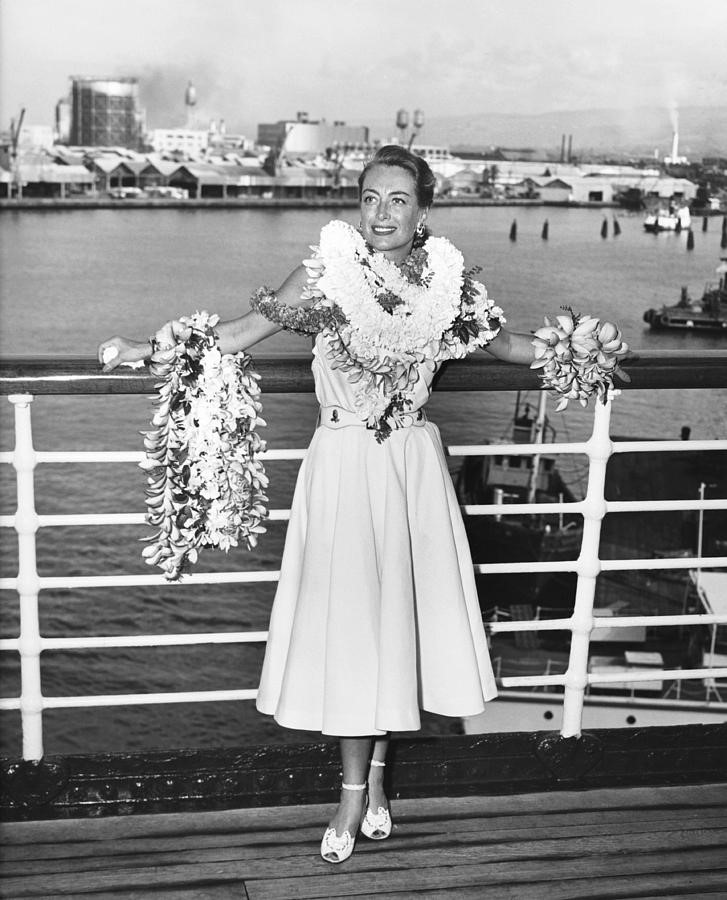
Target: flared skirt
{"type": "Point", "coordinates": [376, 613]}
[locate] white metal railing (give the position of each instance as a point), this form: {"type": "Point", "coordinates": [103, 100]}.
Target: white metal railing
{"type": "Point", "coordinates": [575, 680]}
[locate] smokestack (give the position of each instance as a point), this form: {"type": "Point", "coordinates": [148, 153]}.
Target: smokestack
{"type": "Point", "coordinates": [562, 148]}
{"type": "Point", "coordinates": [674, 116]}
{"type": "Point", "coordinates": [570, 147]}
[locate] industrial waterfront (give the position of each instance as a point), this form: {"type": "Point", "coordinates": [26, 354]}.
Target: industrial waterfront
{"type": "Point", "coordinates": [581, 165]}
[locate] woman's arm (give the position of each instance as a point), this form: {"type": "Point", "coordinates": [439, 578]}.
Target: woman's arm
{"type": "Point", "coordinates": [234, 335]}
{"type": "Point", "coordinates": [512, 346]}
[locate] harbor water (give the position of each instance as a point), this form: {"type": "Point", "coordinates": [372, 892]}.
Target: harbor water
{"type": "Point", "coordinates": [69, 279]}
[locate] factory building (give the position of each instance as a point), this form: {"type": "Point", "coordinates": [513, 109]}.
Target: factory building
{"type": "Point", "coordinates": [301, 137]}
{"type": "Point", "coordinates": [191, 142]}
{"type": "Point", "coordinates": [105, 112]}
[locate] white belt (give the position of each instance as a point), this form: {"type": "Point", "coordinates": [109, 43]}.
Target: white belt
{"type": "Point", "coordinates": [338, 417]}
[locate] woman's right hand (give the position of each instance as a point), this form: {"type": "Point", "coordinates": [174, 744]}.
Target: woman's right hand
{"type": "Point", "coordinates": [118, 350]}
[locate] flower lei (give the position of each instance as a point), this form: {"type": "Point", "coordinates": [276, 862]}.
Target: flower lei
{"type": "Point", "coordinates": [579, 356]}
{"type": "Point", "coordinates": [205, 484]}
{"type": "Point", "coordinates": [382, 321]}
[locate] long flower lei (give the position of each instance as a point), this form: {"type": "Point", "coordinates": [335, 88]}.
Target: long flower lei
{"type": "Point", "coordinates": [579, 356]}
{"type": "Point", "coordinates": [382, 321]}
{"type": "Point", "coordinates": [205, 484]}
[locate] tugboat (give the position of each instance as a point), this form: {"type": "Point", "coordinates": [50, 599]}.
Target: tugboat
{"type": "Point", "coordinates": [707, 314]}
{"type": "Point", "coordinates": [520, 538]}
{"type": "Point", "coordinates": [669, 219]}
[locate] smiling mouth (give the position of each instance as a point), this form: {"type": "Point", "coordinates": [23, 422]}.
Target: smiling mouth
{"type": "Point", "coordinates": [383, 229]}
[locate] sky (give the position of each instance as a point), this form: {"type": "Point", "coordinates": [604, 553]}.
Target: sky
{"type": "Point", "coordinates": [263, 60]}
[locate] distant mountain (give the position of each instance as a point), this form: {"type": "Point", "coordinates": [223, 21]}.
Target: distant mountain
{"type": "Point", "coordinates": [702, 131]}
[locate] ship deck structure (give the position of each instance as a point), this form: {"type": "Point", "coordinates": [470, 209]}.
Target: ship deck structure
{"type": "Point", "coordinates": [568, 810]}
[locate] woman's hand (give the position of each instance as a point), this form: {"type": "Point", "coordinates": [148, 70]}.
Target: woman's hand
{"type": "Point", "coordinates": [118, 350]}
{"type": "Point", "coordinates": [171, 333]}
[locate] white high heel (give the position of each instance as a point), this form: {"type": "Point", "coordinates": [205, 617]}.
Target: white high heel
{"type": "Point", "coordinates": [376, 825]}
{"type": "Point", "coordinates": [337, 848]}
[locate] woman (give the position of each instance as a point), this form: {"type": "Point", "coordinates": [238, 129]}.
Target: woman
{"type": "Point", "coordinates": [376, 613]}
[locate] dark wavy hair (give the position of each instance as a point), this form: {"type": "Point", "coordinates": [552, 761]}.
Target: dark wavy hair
{"type": "Point", "coordinates": [418, 168]}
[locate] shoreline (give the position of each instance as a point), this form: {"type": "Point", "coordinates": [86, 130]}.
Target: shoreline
{"type": "Point", "coordinates": [40, 203]}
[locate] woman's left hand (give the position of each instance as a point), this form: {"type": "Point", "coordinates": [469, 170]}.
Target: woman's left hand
{"type": "Point", "coordinates": [118, 351]}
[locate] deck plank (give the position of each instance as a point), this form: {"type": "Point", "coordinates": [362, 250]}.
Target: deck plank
{"type": "Point", "coordinates": [710, 887]}
{"type": "Point", "coordinates": [694, 797]}
{"type": "Point", "coordinates": [228, 891]}
{"type": "Point", "coordinates": [302, 858]}
{"type": "Point", "coordinates": [64, 843]}
{"type": "Point", "coordinates": [663, 842]}
{"type": "Point", "coordinates": [436, 814]}
{"type": "Point", "coordinates": [75, 858]}
{"type": "Point", "coordinates": [301, 875]}
{"type": "Point", "coordinates": [540, 875]}
{"type": "Point", "coordinates": [419, 828]}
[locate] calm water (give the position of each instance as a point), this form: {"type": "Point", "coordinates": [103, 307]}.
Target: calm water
{"type": "Point", "coordinates": [69, 279]}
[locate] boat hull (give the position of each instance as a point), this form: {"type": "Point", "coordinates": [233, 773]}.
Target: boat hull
{"type": "Point", "coordinates": [655, 223]}
{"type": "Point", "coordinates": [508, 540]}
{"type": "Point", "coordinates": [515, 711]}
{"type": "Point", "coordinates": [669, 318]}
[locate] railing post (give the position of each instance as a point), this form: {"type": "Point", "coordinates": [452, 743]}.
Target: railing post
{"type": "Point", "coordinates": [26, 525]}
{"type": "Point", "coordinates": [599, 449]}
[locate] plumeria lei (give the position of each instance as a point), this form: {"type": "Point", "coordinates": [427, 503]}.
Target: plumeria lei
{"type": "Point", "coordinates": [579, 356]}
{"type": "Point", "coordinates": [206, 483]}
{"type": "Point", "coordinates": [382, 321]}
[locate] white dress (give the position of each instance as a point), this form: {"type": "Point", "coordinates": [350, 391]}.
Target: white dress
{"type": "Point", "coordinates": [376, 613]}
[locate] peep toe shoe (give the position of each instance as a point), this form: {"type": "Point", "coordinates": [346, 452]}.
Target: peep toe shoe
{"type": "Point", "coordinates": [337, 848]}
{"type": "Point", "coordinates": [376, 825]}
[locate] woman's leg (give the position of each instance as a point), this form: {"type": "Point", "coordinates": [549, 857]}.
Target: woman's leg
{"type": "Point", "coordinates": [377, 797]}
{"type": "Point", "coordinates": [355, 754]}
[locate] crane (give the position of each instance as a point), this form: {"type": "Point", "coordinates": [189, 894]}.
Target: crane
{"type": "Point", "coordinates": [14, 136]}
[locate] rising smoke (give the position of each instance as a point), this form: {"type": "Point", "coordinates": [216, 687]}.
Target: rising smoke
{"type": "Point", "coordinates": [162, 92]}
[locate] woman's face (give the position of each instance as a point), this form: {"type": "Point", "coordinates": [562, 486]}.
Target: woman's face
{"type": "Point", "coordinates": [390, 211]}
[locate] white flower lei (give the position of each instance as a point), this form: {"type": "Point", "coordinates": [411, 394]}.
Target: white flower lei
{"type": "Point", "coordinates": [578, 357]}
{"type": "Point", "coordinates": [394, 323]}
{"type": "Point", "coordinates": [205, 481]}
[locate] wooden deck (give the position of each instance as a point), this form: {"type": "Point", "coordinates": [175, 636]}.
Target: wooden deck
{"type": "Point", "coordinates": [619, 842]}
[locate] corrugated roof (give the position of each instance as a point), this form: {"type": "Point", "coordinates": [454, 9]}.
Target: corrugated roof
{"type": "Point", "coordinates": [465, 175]}
{"type": "Point", "coordinates": [556, 183]}
{"type": "Point", "coordinates": [227, 175]}
{"type": "Point", "coordinates": [135, 165]}
{"type": "Point", "coordinates": [304, 177]}
{"type": "Point", "coordinates": [204, 174]}
{"type": "Point", "coordinates": [107, 164]}
{"type": "Point", "coordinates": [55, 174]}
{"type": "Point", "coordinates": [162, 167]}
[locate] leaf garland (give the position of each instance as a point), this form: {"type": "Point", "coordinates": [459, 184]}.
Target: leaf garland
{"type": "Point", "coordinates": [205, 482]}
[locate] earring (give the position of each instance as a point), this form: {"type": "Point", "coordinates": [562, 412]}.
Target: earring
{"type": "Point", "coordinates": [420, 229]}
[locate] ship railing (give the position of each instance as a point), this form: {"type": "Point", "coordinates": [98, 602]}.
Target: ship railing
{"type": "Point", "coordinates": [22, 379]}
